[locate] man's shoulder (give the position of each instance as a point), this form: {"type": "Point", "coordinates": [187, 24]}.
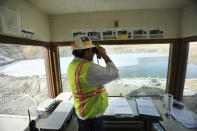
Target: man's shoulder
{"type": "Point", "coordinates": [88, 64]}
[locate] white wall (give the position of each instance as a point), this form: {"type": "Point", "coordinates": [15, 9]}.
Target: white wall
{"type": "Point", "coordinates": [31, 17]}
{"type": "Point", "coordinates": [177, 22]}
{"type": "Point", "coordinates": [62, 25]}
{"type": "Point", "coordinates": [189, 20]}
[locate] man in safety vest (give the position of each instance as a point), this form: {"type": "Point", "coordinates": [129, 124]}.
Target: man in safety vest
{"type": "Point", "coordinates": [87, 81]}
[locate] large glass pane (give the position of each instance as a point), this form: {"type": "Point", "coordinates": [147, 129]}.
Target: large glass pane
{"type": "Point", "coordinates": [190, 87]}
{"type": "Point", "coordinates": [23, 79]}
{"type": "Point", "coordinates": [143, 69]}
{"type": "Point", "coordinates": [66, 57]}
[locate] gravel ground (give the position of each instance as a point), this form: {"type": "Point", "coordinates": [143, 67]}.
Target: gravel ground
{"type": "Point", "coordinates": [23, 93]}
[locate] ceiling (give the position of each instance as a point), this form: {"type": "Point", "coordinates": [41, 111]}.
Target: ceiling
{"type": "Point", "coordinates": [76, 6]}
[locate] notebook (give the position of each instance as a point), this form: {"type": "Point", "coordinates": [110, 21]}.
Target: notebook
{"type": "Point", "coordinates": [147, 108]}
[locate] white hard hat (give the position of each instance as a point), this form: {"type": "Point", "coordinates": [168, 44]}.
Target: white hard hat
{"type": "Point", "coordinates": [81, 42]}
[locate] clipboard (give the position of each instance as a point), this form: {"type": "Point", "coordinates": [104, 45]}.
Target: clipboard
{"type": "Point", "coordinates": [146, 108]}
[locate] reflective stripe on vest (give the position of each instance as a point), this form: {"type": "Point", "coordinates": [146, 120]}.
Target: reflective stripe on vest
{"type": "Point", "coordinates": [89, 94]}
{"type": "Point", "coordinates": [77, 74]}
{"type": "Point", "coordinates": [79, 93]}
{"type": "Point", "coordinates": [77, 83]}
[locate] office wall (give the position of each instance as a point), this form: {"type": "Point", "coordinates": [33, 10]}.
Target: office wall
{"type": "Point", "coordinates": [31, 17]}
{"type": "Point", "coordinates": [189, 20]}
{"type": "Point", "coordinates": [62, 25]}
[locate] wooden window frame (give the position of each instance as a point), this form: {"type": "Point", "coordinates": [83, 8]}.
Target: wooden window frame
{"type": "Point", "coordinates": [176, 69]}
{"type": "Point", "coordinates": [4, 39]}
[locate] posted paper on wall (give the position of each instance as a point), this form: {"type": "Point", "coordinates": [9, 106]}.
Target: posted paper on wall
{"type": "Point", "coordinates": [10, 21]}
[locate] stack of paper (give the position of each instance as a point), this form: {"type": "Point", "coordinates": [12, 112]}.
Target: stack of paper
{"type": "Point", "coordinates": [46, 107]}
{"type": "Point", "coordinates": [64, 96]}
{"type": "Point", "coordinates": [147, 107]}
{"type": "Point", "coordinates": [58, 120]}
{"type": "Point", "coordinates": [185, 117]}
{"type": "Point", "coordinates": [121, 107]}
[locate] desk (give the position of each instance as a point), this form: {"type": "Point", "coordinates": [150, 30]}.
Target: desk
{"type": "Point", "coordinates": [112, 121]}
{"type": "Point", "coordinates": [140, 123]}
{"type": "Point", "coordinates": [134, 122]}
{"type": "Point", "coordinates": [171, 124]}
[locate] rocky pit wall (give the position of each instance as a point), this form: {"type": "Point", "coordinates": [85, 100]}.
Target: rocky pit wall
{"type": "Point", "coordinates": [18, 94]}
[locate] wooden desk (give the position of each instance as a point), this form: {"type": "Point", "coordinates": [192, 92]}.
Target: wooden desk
{"type": "Point", "coordinates": [171, 124]}
{"type": "Point", "coordinates": [140, 123]}
{"type": "Point", "coordinates": [134, 122]}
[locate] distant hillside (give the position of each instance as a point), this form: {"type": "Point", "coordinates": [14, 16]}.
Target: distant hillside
{"type": "Point", "coordinates": [9, 53]}
{"type": "Point", "coordinates": [120, 49]}
{"type": "Point", "coordinates": [193, 53]}
{"type": "Point", "coordinates": [140, 48]}
{"type": "Point", "coordinates": [5, 60]}
{"type": "Point", "coordinates": [12, 52]}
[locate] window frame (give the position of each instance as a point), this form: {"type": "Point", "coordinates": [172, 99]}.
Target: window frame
{"type": "Point", "coordinates": [4, 39]}
{"type": "Point", "coordinates": [172, 57]}
{"type": "Point", "coordinates": [176, 67]}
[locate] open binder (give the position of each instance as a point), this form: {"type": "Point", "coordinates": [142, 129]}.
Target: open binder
{"type": "Point", "coordinates": [121, 107]}
{"type": "Point", "coordinates": [146, 108]}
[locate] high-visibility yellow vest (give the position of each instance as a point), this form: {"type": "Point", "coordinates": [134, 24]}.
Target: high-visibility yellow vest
{"type": "Point", "coordinates": [89, 101]}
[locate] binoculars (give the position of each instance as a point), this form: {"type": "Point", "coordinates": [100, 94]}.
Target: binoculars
{"type": "Point", "coordinates": [94, 50]}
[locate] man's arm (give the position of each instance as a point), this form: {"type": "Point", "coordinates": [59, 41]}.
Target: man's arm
{"type": "Point", "coordinates": [98, 75]}
{"type": "Point", "coordinates": [103, 54]}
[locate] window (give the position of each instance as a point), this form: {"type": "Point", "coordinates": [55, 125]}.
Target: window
{"type": "Point", "coordinates": [190, 87]}
{"type": "Point", "coordinates": [66, 57]}
{"type": "Point", "coordinates": [23, 79]}
{"type": "Point", "coordinates": [143, 69]}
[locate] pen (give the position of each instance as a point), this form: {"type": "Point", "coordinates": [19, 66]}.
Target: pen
{"type": "Point", "coordinates": [168, 115]}
{"type": "Point", "coordinates": [172, 116]}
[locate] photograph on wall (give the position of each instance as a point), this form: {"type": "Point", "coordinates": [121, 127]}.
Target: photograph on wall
{"type": "Point", "coordinates": [76, 33]}
{"type": "Point", "coordinates": [122, 34]}
{"type": "Point", "coordinates": [94, 35]}
{"type": "Point", "coordinates": [130, 34]}
{"type": "Point", "coordinates": [109, 35]}
{"type": "Point", "coordinates": [140, 34]}
{"type": "Point", "coordinates": [156, 33]}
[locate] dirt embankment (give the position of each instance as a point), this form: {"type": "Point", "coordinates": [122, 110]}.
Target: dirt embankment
{"type": "Point", "coordinates": [18, 94]}
{"type": "Point", "coordinates": [10, 53]}
{"type": "Point", "coordinates": [192, 58]}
